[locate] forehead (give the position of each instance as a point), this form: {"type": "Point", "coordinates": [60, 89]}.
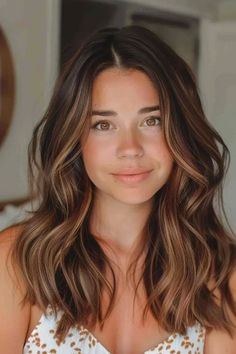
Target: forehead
{"type": "Point", "coordinates": [123, 85]}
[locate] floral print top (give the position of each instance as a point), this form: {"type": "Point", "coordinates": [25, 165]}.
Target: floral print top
{"type": "Point", "coordinates": [80, 341]}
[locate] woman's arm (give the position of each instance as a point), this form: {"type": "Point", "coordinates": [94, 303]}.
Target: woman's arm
{"type": "Point", "coordinates": [14, 319]}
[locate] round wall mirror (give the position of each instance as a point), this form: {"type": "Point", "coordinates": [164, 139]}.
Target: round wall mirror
{"type": "Point", "coordinates": [7, 86]}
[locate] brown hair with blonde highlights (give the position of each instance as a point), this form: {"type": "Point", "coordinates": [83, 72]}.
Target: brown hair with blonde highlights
{"type": "Point", "coordinates": [188, 245]}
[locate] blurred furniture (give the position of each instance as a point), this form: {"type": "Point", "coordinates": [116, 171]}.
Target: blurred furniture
{"type": "Point", "coordinates": [7, 86]}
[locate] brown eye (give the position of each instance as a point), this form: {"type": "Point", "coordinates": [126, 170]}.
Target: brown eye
{"type": "Point", "coordinates": [102, 125]}
{"type": "Point", "coordinates": [153, 121]}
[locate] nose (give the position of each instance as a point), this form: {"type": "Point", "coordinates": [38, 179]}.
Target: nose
{"type": "Point", "coordinates": [129, 145]}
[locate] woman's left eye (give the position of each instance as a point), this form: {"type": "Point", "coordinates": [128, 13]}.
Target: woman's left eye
{"type": "Point", "coordinates": [153, 121]}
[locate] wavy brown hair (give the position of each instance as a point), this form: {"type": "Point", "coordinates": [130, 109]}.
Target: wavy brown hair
{"type": "Point", "coordinates": [187, 241]}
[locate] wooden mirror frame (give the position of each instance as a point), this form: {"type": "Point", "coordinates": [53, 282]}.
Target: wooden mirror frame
{"type": "Point", "coordinates": [7, 86]}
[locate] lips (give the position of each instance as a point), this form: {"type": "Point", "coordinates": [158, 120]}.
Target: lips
{"type": "Point", "coordinates": [130, 178]}
{"type": "Point", "coordinates": [131, 172]}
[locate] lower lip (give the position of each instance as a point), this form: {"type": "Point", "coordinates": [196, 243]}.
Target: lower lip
{"type": "Point", "coordinates": [132, 178]}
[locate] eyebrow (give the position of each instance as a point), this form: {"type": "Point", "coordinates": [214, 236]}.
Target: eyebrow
{"type": "Point", "coordinates": [113, 113]}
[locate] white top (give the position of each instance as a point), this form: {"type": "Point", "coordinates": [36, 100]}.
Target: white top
{"type": "Point", "coordinates": [80, 341]}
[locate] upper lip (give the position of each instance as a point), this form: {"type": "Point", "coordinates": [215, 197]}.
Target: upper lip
{"type": "Point", "coordinates": [131, 172]}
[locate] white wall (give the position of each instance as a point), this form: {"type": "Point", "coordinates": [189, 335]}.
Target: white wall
{"type": "Point", "coordinates": [226, 10]}
{"type": "Point", "coordinates": [32, 29]}
{"type": "Point", "coordinates": [199, 8]}
{"type": "Point", "coordinates": [218, 85]}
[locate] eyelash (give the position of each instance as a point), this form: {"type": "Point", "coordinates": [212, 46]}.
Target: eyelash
{"type": "Point", "coordinates": [94, 126]}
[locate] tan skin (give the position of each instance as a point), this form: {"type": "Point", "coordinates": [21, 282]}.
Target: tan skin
{"type": "Point", "coordinates": [127, 140]}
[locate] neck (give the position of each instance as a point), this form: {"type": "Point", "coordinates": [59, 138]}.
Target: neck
{"type": "Point", "coordinates": [118, 225]}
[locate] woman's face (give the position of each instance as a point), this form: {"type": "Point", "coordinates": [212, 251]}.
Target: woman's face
{"type": "Point", "coordinates": [125, 154]}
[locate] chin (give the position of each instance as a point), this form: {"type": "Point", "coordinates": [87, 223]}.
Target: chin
{"type": "Point", "coordinates": [135, 198]}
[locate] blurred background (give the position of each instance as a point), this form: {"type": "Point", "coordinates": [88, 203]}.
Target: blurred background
{"type": "Point", "coordinates": [36, 37]}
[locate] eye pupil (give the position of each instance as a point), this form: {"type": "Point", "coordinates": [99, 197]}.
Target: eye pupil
{"type": "Point", "coordinates": [104, 125]}
{"type": "Point", "coordinates": [152, 121]}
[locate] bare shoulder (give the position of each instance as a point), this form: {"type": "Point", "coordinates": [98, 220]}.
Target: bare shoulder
{"type": "Point", "coordinates": [8, 235]}
{"type": "Point", "coordinates": [218, 341]}
{"type": "Point", "coordinates": [7, 239]}
{"type": "Point", "coordinates": [14, 317]}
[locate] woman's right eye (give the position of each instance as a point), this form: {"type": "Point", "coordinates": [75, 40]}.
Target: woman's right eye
{"type": "Point", "coordinates": [104, 125]}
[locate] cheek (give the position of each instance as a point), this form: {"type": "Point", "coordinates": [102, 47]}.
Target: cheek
{"type": "Point", "coordinates": [95, 155]}
{"type": "Point", "coordinates": [160, 150]}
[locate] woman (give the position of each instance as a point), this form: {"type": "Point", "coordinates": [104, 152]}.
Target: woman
{"type": "Point", "coordinates": [126, 253]}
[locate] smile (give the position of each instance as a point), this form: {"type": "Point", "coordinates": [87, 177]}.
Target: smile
{"type": "Point", "coordinates": [130, 178]}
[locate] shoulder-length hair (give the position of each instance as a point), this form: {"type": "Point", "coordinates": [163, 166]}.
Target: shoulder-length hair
{"type": "Point", "coordinates": [187, 243]}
